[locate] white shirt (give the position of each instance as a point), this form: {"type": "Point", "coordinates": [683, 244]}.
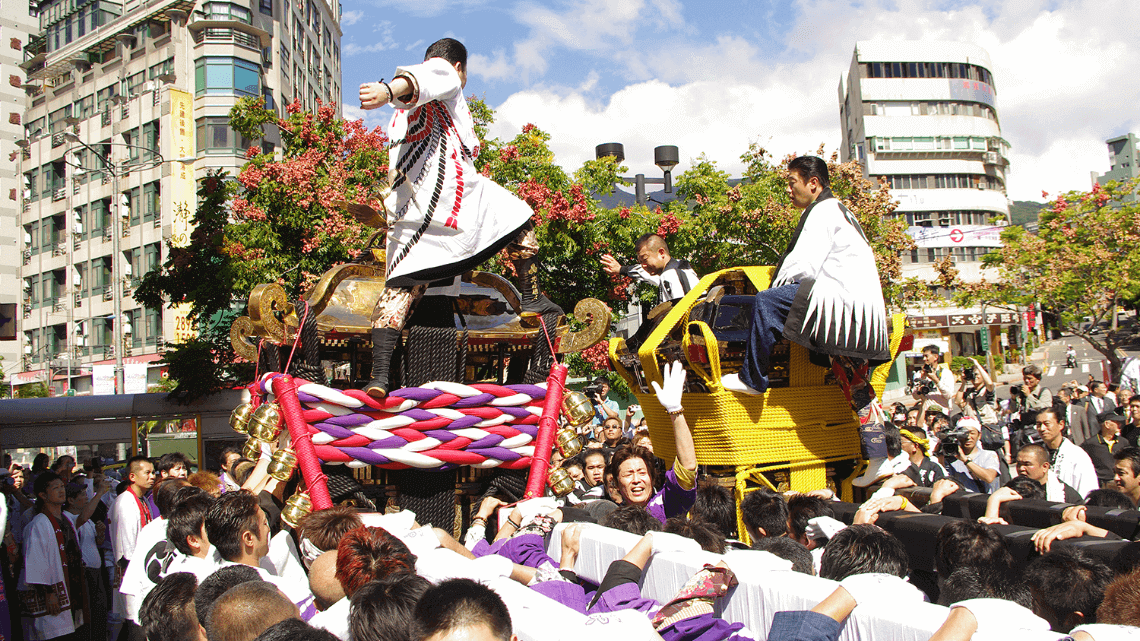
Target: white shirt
{"type": "Point", "coordinates": [126, 521]}
{"type": "Point", "coordinates": [155, 553]}
{"type": "Point", "coordinates": [200, 568]}
{"type": "Point", "coordinates": [1073, 466]}
{"type": "Point", "coordinates": [334, 619]}
{"type": "Point", "coordinates": [91, 556]}
{"type": "Point", "coordinates": [943, 391]}
{"type": "Point", "coordinates": [987, 460]}
{"type": "Point", "coordinates": [42, 566]}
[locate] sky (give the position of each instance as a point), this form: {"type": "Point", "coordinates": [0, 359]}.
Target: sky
{"type": "Point", "coordinates": [714, 76]}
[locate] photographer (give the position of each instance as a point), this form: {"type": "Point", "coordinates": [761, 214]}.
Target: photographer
{"type": "Point", "coordinates": [1036, 396]}
{"type": "Point", "coordinates": [972, 467]}
{"type": "Point", "coordinates": [603, 407]}
{"type": "Point", "coordinates": [936, 382]}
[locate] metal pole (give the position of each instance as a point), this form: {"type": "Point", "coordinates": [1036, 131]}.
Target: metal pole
{"type": "Point", "coordinates": [116, 271]}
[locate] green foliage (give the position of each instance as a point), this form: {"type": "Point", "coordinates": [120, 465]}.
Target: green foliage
{"type": "Point", "coordinates": [959, 363]}
{"type": "Point", "coordinates": [1024, 211]}
{"type": "Point", "coordinates": [33, 390]}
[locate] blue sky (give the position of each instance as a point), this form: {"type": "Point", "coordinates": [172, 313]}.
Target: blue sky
{"type": "Point", "coordinates": [713, 76]}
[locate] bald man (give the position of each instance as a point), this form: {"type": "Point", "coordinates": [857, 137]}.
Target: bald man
{"type": "Point", "coordinates": [247, 610]}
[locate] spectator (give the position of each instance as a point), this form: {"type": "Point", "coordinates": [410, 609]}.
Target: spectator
{"type": "Point", "coordinates": [935, 377]}
{"type": "Point", "coordinates": [1071, 464]}
{"type": "Point", "coordinates": [1067, 587]}
{"type": "Point", "coordinates": [1037, 397]}
{"type": "Point", "coordinates": [1076, 417]}
{"type": "Point", "coordinates": [1100, 446]}
{"type": "Point", "coordinates": [383, 610]}
{"type": "Point", "coordinates": [604, 407]}
{"type": "Point", "coordinates": [247, 610]}
{"type": "Point", "coordinates": [1098, 402]}
{"type": "Point", "coordinates": [167, 613]}
{"type": "Point", "coordinates": [173, 465]}
{"type": "Point", "coordinates": [92, 534]}
{"type": "Point", "coordinates": [1127, 472]}
{"type": "Point", "coordinates": [1131, 431]}
{"type": "Point", "coordinates": [976, 396]}
{"type": "Point", "coordinates": [611, 434]}
{"type": "Point", "coordinates": [764, 513]}
{"type": "Point", "coordinates": [922, 470]}
{"type": "Point", "coordinates": [463, 608]}
{"type": "Point", "coordinates": [53, 565]}
{"type": "Point", "coordinates": [975, 469]}
{"type": "Point", "coordinates": [1033, 462]}
{"type": "Point", "coordinates": [231, 454]}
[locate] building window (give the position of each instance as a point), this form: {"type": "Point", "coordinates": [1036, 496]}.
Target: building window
{"type": "Point", "coordinates": [266, 7]}
{"type": "Point", "coordinates": [152, 193]}
{"type": "Point", "coordinates": [226, 11]}
{"type": "Point", "coordinates": [234, 76]}
{"type": "Point", "coordinates": [215, 136]}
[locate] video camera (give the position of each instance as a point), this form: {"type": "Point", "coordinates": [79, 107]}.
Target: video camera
{"type": "Point", "coordinates": [592, 390]}
{"type": "Point", "coordinates": [923, 386]}
{"type": "Point", "coordinates": [951, 440]}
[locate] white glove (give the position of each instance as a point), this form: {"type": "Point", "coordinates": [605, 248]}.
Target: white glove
{"type": "Point", "coordinates": [880, 588]}
{"type": "Point", "coordinates": [823, 527]}
{"type": "Point", "coordinates": [669, 392]}
{"type": "Point", "coordinates": [665, 542]}
{"type": "Point", "coordinates": [531, 508]}
{"type": "Point", "coordinates": [1001, 614]}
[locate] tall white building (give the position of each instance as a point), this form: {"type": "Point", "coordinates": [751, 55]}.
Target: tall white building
{"type": "Point", "coordinates": [147, 85]}
{"type": "Point", "coordinates": [922, 117]}
{"type": "Point", "coordinates": [17, 22]}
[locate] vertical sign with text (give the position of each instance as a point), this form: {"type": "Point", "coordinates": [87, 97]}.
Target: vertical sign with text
{"type": "Point", "coordinates": [183, 193]}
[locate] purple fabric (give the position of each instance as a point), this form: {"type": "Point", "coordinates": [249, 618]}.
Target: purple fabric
{"type": "Point", "coordinates": [490, 440]}
{"type": "Point", "coordinates": [334, 431]}
{"type": "Point", "coordinates": [306, 397]}
{"type": "Point", "coordinates": [349, 420]}
{"type": "Point", "coordinates": [533, 391]}
{"type": "Point", "coordinates": [497, 453]}
{"type": "Point", "coordinates": [517, 412]}
{"type": "Point", "coordinates": [703, 627]}
{"type": "Point", "coordinates": [672, 500]}
{"type": "Point", "coordinates": [417, 414]}
{"type": "Point", "coordinates": [152, 505]}
{"type": "Point", "coordinates": [568, 594]}
{"type": "Point", "coordinates": [474, 401]}
{"type": "Point", "coordinates": [482, 548]}
{"type": "Point", "coordinates": [626, 596]}
{"type": "Point", "coordinates": [418, 394]}
{"type": "Point", "coordinates": [524, 549]}
{"type": "Point", "coordinates": [392, 442]}
{"type": "Point", "coordinates": [531, 430]}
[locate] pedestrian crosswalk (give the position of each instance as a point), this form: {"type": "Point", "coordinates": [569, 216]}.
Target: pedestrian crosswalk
{"type": "Point", "coordinates": [1067, 370]}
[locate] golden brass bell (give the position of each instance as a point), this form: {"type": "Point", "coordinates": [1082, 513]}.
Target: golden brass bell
{"type": "Point", "coordinates": [283, 464]}
{"type": "Point", "coordinates": [239, 418]}
{"type": "Point", "coordinates": [577, 409]}
{"type": "Point", "coordinates": [252, 449]}
{"type": "Point", "coordinates": [568, 442]}
{"type": "Point", "coordinates": [560, 481]}
{"type": "Point", "coordinates": [296, 508]}
{"type": "Point", "coordinates": [265, 423]}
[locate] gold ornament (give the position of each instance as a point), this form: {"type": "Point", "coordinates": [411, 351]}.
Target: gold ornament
{"type": "Point", "coordinates": [577, 408]}
{"type": "Point", "coordinates": [296, 508]}
{"type": "Point", "coordinates": [239, 418]}
{"type": "Point", "coordinates": [265, 423]}
{"type": "Point", "coordinates": [568, 442]}
{"type": "Point", "coordinates": [560, 482]}
{"type": "Point", "coordinates": [283, 464]}
{"type": "Point", "coordinates": [252, 449]}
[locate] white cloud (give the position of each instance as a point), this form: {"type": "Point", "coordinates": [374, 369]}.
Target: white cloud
{"type": "Point", "coordinates": [384, 41]}
{"type": "Point", "coordinates": [421, 9]}
{"type": "Point", "coordinates": [488, 69]}
{"type": "Point", "coordinates": [1060, 66]}
{"type": "Point", "coordinates": [349, 18]}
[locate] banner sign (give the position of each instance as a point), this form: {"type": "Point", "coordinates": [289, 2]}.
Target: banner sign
{"type": "Point", "coordinates": [960, 236]}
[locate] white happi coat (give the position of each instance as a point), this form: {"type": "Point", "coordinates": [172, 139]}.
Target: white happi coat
{"type": "Point", "coordinates": [443, 211]}
{"type": "Point", "coordinates": [838, 309]}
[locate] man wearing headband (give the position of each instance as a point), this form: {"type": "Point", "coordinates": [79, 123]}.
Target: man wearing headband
{"type": "Point", "coordinates": [976, 469]}
{"type": "Point", "coordinates": [923, 471]}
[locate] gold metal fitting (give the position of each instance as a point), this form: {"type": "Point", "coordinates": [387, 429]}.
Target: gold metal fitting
{"type": "Point", "coordinates": [568, 442]}
{"type": "Point", "coordinates": [296, 508]}
{"type": "Point", "coordinates": [265, 423]}
{"type": "Point", "coordinates": [239, 418]}
{"type": "Point", "coordinates": [560, 482]}
{"type": "Point", "coordinates": [252, 449]}
{"type": "Point", "coordinates": [577, 409]}
{"type": "Point", "coordinates": [283, 464]}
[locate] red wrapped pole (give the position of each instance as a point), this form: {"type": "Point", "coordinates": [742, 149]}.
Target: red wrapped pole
{"type": "Point", "coordinates": [285, 389]}
{"type": "Point", "coordinates": [547, 426]}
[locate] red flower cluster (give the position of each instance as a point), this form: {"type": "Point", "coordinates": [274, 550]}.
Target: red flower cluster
{"type": "Point", "coordinates": [509, 153]}
{"type": "Point", "coordinates": [669, 225]}
{"type": "Point", "coordinates": [597, 356]}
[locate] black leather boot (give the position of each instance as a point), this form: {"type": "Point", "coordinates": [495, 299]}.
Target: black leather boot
{"type": "Point", "coordinates": [532, 298]}
{"type": "Point", "coordinates": [384, 343]}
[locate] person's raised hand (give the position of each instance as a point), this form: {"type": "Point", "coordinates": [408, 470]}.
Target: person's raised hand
{"type": "Point", "coordinates": [1074, 513]}
{"type": "Point", "coordinates": [899, 481]}
{"type": "Point", "coordinates": [943, 488]}
{"type": "Point", "coordinates": [673, 385]}
{"type": "Point", "coordinates": [372, 95]}
{"type": "Point", "coordinates": [1043, 539]}
{"type": "Point", "coordinates": [610, 265]}
{"type": "Point", "coordinates": [992, 520]}
{"type": "Point", "coordinates": [488, 506]}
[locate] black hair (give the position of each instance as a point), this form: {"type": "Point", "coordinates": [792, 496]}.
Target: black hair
{"type": "Point", "coordinates": [809, 167]}
{"type": "Point", "coordinates": [1031, 370]}
{"type": "Point", "coordinates": [170, 460]}
{"type": "Point", "coordinates": [295, 630]}
{"type": "Point", "coordinates": [1108, 497]}
{"type": "Point", "coordinates": [231, 515]}
{"type": "Point", "coordinates": [187, 519]}
{"type": "Point", "coordinates": [40, 486]}
{"type": "Point", "coordinates": [862, 549]}
{"type": "Point", "coordinates": [382, 610]}
{"type": "Point", "coordinates": [708, 536]}
{"type": "Point", "coordinates": [1066, 581]}
{"type": "Point", "coordinates": [1126, 559]}
{"type": "Point", "coordinates": [803, 508]}
{"type": "Point", "coordinates": [788, 549]}
{"type": "Point", "coordinates": [633, 519]}
{"type": "Point", "coordinates": [892, 438]}
{"type": "Point", "coordinates": [714, 505]}
{"type": "Point", "coordinates": [767, 510]}
{"type": "Point", "coordinates": [969, 543]}
{"type": "Point", "coordinates": [654, 241]}
{"type": "Point", "coordinates": [1132, 455]}
{"type": "Point", "coordinates": [461, 603]}
{"type": "Point", "coordinates": [628, 452]}
{"type": "Point", "coordinates": [40, 463]}
{"type": "Point", "coordinates": [217, 584]}
{"type": "Point", "coordinates": [129, 468]}
{"type": "Point", "coordinates": [167, 612]}
{"type": "Point", "coordinates": [164, 493]}
{"type": "Point", "coordinates": [970, 582]}
{"type": "Point", "coordinates": [1027, 487]}
{"type": "Point", "coordinates": [74, 490]}
{"type": "Point", "coordinates": [932, 349]}
{"type": "Point", "coordinates": [449, 49]}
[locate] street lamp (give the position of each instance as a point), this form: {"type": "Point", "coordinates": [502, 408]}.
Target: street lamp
{"type": "Point", "coordinates": [118, 171]}
{"type": "Point", "coordinates": [665, 156]}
